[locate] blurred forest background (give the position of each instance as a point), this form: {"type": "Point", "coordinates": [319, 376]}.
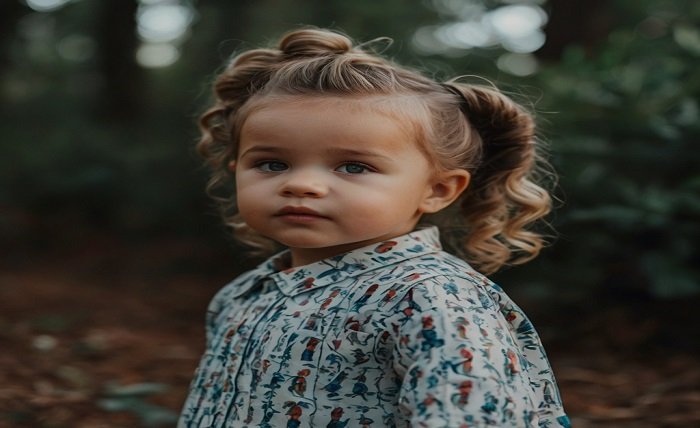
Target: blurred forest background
{"type": "Point", "coordinates": [110, 250]}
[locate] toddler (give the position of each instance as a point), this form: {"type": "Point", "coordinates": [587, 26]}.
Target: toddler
{"type": "Point", "coordinates": [363, 320]}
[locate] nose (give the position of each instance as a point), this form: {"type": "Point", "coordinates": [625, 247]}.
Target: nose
{"type": "Point", "coordinates": [304, 183]}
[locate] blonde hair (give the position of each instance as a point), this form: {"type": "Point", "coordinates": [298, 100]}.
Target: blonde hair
{"type": "Point", "coordinates": [472, 127]}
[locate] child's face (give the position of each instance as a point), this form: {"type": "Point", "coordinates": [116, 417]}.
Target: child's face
{"type": "Point", "coordinates": [323, 178]}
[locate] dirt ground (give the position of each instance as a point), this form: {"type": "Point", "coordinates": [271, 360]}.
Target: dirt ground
{"type": "Point", "coordinates": [96, 338]}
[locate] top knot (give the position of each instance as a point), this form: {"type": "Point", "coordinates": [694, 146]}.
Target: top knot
{"type": "Point", "coordinates": [312, 42]}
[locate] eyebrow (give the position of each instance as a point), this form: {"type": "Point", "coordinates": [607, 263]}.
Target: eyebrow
{"type": "Point", "coordinates": [264, 149]}
{"type": "Point", "coordinates": [333, 150]}
{"type": "Point", "coordinates": [357, 152]}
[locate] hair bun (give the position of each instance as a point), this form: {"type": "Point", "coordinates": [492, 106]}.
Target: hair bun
{"type": "Point", "coordinates": [312, 42]}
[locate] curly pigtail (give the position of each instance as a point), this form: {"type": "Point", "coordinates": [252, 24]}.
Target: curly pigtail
{"type": "Point", "coordinates": [503, 198]}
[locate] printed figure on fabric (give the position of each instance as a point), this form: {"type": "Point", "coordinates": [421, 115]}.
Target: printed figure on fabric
{"type": "Point", "coordinates": [376, 341]}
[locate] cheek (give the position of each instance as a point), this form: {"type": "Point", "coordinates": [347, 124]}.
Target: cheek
{"type": "Point", "coordinates": [252, 213]}
{"type": "Point", "coordinates": [249, 184]}
{"type": "Point", "coordinates": [377, 207]}
{"type": "Point", "coordinates": [242, 180]}
{"type": "Point", "coordinates": [390, 195]}
{"type": "Point", "coordinates": [249, 200]}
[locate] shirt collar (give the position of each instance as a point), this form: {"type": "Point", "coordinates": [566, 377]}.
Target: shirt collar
{"type": "Point", "coordinates": [302, 279]}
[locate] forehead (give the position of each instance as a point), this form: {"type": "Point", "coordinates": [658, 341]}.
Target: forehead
{"type": "Point", "coordinates": [405, 112]}
{"type": "Point", "coordinates": [330, 118]}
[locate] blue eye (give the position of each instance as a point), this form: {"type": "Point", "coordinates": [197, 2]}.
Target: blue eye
{"type": "Point", "coordinates": [353, 168]}
{"type": "Point", "coordinates": [272, 166]}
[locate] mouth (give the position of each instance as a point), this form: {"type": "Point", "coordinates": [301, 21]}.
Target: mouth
{"type": "Point", "coordinates": [299, 214]}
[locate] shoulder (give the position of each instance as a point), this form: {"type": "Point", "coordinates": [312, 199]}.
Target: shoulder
{"type": "Point", "coordinates": [232, 290]}
{"type": "Point", "coordinates": [442, 263]}
{"type": "Point", "coordinates": [440, 276]}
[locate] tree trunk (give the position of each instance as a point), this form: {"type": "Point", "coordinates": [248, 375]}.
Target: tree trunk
{"type": "Point", "coordinates": [585, 23]}
{"type": "Point", "coordinates": [123, 77]}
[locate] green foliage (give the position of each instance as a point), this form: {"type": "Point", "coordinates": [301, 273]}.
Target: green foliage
{"type": "Point", "coordinates": [622, 120]}
{"type": "Point", "coordinates": [624, 131]}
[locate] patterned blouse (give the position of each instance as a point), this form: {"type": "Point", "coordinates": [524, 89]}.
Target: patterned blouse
{"type": "Point", "coordinates": [395, 334]}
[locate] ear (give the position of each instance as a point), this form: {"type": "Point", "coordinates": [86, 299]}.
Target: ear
{"type": "Point", "coordinates": [232, 166]}
{"type": "Point", "coordinates": [445, 189]}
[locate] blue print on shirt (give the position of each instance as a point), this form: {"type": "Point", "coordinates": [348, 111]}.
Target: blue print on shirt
{"type": "Point", "coordinates": [395, 334]}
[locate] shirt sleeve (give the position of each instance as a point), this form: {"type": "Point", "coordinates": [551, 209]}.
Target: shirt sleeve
{"type": "Point", "coordinates": [460, 364]}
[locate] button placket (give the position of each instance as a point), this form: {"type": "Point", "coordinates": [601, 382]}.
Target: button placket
{"type": "Point", "coordinates": [241, 377]}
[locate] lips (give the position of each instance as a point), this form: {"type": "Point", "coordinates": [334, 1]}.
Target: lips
{"type": "Point", "coordinates": [299, 214]}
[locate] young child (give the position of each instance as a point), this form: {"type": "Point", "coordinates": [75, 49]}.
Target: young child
{"type": "Point", "coordinates": [337, 153]}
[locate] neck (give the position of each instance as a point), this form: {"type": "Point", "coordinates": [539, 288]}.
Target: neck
{"type": "Point", "coordinates": [305, 256]}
